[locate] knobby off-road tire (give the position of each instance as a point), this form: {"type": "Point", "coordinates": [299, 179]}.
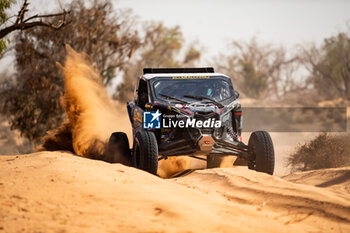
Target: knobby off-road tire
{"type": "Point", "coordinates": [118, 150]}
{"type": "Point", "coordinates": [261, 148]}
{"type": "Point", "coordinates": [213, 161]}
{"type": "Point", "coordinates": [145, 152]}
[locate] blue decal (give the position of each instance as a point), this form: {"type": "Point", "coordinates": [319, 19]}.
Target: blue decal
{"type": "Point", "coordinates": [151, 120]}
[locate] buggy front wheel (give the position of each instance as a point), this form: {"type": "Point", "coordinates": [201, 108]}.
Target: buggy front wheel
{"type": "Point", "coordinates": [260, 147]}
{"type": "Point", "coordinates": [145, 152]}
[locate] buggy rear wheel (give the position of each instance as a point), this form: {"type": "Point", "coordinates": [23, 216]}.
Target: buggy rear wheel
{"type": "Point", "coordinates": [118, 150]}
{"type": "Point", "coordinates": [145, 152]}
{"type": "Point", "coordinates": [261, 148]}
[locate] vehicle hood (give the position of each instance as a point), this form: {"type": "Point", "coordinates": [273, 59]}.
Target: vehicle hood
{"type": "Point", "coordinates": [191, 110]}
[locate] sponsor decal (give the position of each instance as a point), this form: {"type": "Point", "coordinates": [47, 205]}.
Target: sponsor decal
{"type": "Point", "coordinates": [191, 123]}
{"type": "Point", "coordinates": [151, 120]}
{"type": "Point", "coordinates": [155, 120]}
{"type": "Point", "coordinates": [190, 77]}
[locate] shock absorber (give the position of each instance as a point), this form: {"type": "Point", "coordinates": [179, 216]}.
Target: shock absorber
{"type": "Point", "coordinates": [234, 135]}
{"type": "Point", "coordinates": [237, 121]}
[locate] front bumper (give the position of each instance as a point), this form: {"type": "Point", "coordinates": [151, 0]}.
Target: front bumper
{"type": "Point", "coordinates": [198, 143]}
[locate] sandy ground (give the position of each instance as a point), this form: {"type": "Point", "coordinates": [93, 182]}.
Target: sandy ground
{"type": "Point", "coordinates": [60, 192]}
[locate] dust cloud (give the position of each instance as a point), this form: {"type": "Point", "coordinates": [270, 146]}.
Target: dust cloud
{"type": "Point", "coordinates": [91, 117]}
{"type": "Point", "coordinates": [171, 166]}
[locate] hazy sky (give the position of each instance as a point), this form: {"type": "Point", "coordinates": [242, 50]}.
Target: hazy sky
{"type": "Point", "coordinates": [215, 23]}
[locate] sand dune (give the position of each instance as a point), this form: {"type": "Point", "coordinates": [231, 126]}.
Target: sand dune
{"type": "Point", "coordinates": [60, 192]}
{"type": "Point", "coordinates": [335, 178]}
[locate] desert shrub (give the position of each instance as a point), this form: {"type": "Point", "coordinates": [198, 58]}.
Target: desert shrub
{"type": "Point", "coordinates": [324, 151]}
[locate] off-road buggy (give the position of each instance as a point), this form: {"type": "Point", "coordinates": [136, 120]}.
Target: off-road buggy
{"type": "Point", "coordinates": [193, 112]}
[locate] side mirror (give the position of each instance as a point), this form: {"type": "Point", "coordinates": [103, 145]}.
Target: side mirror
{"type": "Point", "coordinates": [236, 94]}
